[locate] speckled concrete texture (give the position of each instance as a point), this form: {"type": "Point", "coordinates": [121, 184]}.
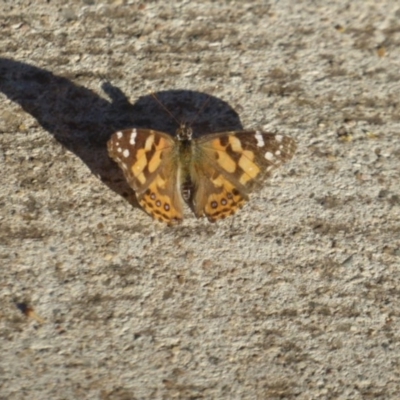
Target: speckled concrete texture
{"type": "Point", "coordinates": [296, 297]}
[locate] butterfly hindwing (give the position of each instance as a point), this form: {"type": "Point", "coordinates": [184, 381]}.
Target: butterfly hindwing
{"type": "Point", "coordinates": [149, 162]}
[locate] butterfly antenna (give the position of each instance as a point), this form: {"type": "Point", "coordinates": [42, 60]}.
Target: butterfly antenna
{"type": "Point", "coordinates": [200, 110]}
{"type": "Point", "coordinates": [165, 108]}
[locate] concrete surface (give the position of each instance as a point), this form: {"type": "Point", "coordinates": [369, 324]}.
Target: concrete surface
{"type": "Point", "coordinates": [296, 297]}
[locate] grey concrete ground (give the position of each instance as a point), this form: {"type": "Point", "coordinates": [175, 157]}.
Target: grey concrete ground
{"type": "Point", "coordinates": [296, 297]}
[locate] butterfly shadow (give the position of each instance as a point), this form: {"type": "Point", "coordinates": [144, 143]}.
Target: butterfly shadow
{"type": "Point", "coordinates": [82, 121]}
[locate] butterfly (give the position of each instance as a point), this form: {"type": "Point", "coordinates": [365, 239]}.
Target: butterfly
{"type": "Point", "coordinates": [213, 174]}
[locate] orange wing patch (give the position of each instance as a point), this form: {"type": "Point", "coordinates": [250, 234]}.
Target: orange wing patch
{"type": "Point", "coordinates": [141, 158]}
{"type": "Point", "coordinates": [244, 159]}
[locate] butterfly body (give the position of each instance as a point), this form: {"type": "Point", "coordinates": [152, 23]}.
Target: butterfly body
{"type": "Point", "coordinates": [213, 173]}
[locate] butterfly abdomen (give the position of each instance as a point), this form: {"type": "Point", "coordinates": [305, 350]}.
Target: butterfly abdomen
{"type": "Point", "coordinates": [186, 185]}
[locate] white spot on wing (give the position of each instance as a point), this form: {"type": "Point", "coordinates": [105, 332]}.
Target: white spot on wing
{"type": "Point", "coordinates": [119, 134]}
{"type": "Point", "coordinates": [269, 156]}
{"type": "Point", "coordinates": [126, 153]}
{"type": "Point", "coordinates": [260, 139]}
{"type": "Point", "coordinates": [132, 140]}
{"type": "Point", "coordinates": [119, 149]}
{"type": "Point", "coordinates": [279, 138]}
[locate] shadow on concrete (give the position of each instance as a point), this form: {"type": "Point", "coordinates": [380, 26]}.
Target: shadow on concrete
{"type": "Point", "coordinates": [82, 121]}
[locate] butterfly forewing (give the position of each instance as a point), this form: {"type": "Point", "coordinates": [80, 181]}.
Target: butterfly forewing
{"type": "Point", "coordinates": [149, 161]}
